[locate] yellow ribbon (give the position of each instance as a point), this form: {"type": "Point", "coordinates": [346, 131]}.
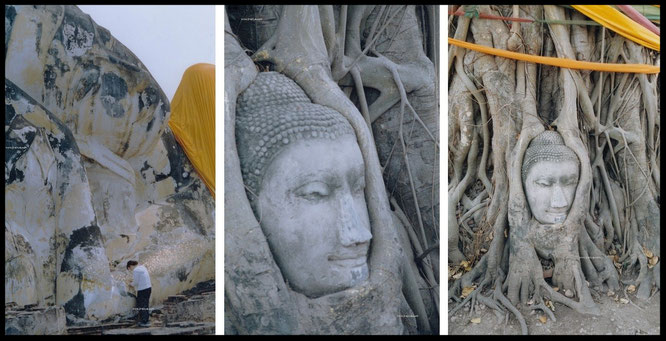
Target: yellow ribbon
{"type": "Point", "coordinates": [620, 24]}
{"type": "Point", "coordinates": [561, 62]}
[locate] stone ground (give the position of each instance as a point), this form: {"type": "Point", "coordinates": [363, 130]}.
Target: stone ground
{"type": "Point", "coordinates": [637, 317]}
{"type": "Point", "coordinates": [192, 312]}
{"type": "Point", "coordinates": [181, 328]}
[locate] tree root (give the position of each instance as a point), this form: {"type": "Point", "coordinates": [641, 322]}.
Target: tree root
{"type": "Point", "coordinates": [502, 299]}
{"type": "Point", "coordinates": [541, 306]}
{"type": "Point", "coordinates": [524, 283]}
{"type": "Point", "coordinates": [646, 276]}
{"type": "Point", "coordinates": [597, 267]}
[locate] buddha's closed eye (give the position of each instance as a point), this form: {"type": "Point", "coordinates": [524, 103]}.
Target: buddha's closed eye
{"type": "Point", "coordinates": [313, 191]}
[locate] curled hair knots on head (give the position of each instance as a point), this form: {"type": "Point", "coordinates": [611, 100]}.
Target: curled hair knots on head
{"type": "Point", "coordinates": [547, 146]}
{"type": "Point", "coordinates": [274, 112]}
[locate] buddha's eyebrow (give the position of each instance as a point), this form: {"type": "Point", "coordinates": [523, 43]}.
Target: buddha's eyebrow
{"type": "Point", "coordinates": [545, 178]}
{"type": "Point", "coordinates": [326, 176]}
{"type": "Point", "coordinates": [570, 177]}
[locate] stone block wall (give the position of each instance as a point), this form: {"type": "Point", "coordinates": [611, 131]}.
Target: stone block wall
{"type": "Point", "coordinates": [35, 321]}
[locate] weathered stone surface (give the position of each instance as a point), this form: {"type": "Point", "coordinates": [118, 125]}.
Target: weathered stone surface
{"type": "Point", "coordinates": [98, 329]}
{"type": "Point", "coordinates": [55, 252]}
{"type": "Point", "coordinates": [189, 328]}
{"type": "Point", "coordinates": [40, 321]}
{"type": "Point", "coordinates": [94, 177]}
{"type": "Point", "coordinates": [196, 308]}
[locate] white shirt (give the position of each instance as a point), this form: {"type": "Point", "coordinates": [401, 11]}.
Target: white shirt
{"type": "Point", "coordinates": [141, 278]}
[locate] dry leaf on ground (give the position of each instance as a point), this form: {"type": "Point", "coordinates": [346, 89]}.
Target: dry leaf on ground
{"type": "Point", "coordinates": [653, 261]}
{"type": "Point", "coordinates": [550, 305]}
{"type": "Point", "coordinates": [647, 253]}
{"type": "Point", "coordinates": [466, 291]}
{"type": "Point", "coordinates": [454, 271]}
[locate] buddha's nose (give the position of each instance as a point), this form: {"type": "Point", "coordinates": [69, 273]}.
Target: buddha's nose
{"type": "Point", "coordinates": [559, 199]}
{"type": "Point", "coordinates": [352, 230]}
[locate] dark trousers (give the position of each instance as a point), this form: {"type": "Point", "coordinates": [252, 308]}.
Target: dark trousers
{"type": "Point", "coordinates": [142, 299]}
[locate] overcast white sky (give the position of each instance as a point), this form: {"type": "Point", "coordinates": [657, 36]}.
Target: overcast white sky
{"type": "Point", "coordinates": [167, 39]}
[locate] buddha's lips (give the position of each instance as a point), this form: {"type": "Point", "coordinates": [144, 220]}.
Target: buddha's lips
{"type": "Point", "coordinates": [358, 257]}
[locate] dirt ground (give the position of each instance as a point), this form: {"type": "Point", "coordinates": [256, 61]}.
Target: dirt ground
{"type": "Point", "coordinates": [636, 317]}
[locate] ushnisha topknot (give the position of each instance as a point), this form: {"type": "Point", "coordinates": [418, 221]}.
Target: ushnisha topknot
{"type": "Point", "coordinates": [547, 146]}
{"type": "Point", "coordinates": [274, 112]}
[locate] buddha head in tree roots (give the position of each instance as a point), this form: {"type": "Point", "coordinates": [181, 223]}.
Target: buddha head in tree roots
{"type": "Point", "coordinates": [305, 177]}
{"type": "Point", "coordinates": [550, 174]}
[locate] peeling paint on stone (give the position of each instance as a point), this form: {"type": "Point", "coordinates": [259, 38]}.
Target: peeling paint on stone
{"type": "Point", "coordinates": [77, 39]}
{"type": "Point", "coordinates": [10, 15]}
{"type": "Point", "coordinates": [114, 89]}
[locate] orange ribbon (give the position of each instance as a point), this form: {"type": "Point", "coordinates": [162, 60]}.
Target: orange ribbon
{"type": "Point", "coordinates": [560, 62]}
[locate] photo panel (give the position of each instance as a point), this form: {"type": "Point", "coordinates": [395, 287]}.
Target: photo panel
{"type": "Point", "coordinates": [331, 160]}
{"type": "Point", "coordinates": [553, 169]}
{"type": "Point", "coordinates": [109, 170]}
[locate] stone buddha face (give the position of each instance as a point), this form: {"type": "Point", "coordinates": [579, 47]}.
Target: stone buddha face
{"type": "Point", "coordinates": [312, 209]}
{"type": "Point", "coordinates": [305, 177]}
{"type": "Point", "coordinates": [550, 178]}
{"type": "Point", "coordinates": [550, 188]}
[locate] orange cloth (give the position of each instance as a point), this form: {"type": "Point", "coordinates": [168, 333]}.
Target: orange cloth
{"type": "Point", "coordinates": [619, 23]}
{"type": "Point", "coordinates": [561, 62]}
{"type": "Point", "coordinates": [193, 119]}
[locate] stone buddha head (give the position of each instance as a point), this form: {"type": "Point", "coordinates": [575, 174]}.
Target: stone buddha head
{"type": "Point", "coordinates": [305, 177]}
{"type": "Point", "coordinates": [550, 175]}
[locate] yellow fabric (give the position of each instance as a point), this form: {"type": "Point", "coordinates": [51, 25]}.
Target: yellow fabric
{"type": "Point", "coordinates": [193, 119]}
{"type": "Point", "coordinates": [561, 62]}
{"type": "Point", "coordinates": [620, 24]}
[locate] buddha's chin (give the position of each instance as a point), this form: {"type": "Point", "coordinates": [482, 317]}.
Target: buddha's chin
{"type": "Point", "coordinates": [557, 218]}
{"type": "Point", "coordinates": [358, 274]}
{"type": "Point", "coordinates": [552, 218]}
{"type": "Point", "coordinates": [351, 276]}
{"type": "Point", "coordinates": [346, 278]}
